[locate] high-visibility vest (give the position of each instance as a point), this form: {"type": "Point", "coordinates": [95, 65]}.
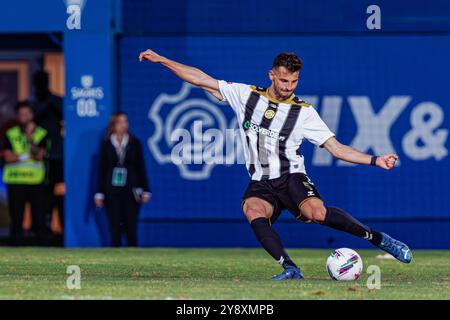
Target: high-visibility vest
{"type": "Point", "coordinates": [27, 171]}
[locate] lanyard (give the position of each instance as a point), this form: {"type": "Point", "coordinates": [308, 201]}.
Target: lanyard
{"type": "Point", "coordinates": [121, 154]}
{"type": "Point", "coordinates": [121, 149]}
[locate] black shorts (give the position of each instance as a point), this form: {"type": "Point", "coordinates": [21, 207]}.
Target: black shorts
{"type": "Point", "coordinates": [285, 192]}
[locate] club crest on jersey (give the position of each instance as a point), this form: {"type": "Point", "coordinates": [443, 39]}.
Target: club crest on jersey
{"type": "Point", "coordinates": [269, 114]}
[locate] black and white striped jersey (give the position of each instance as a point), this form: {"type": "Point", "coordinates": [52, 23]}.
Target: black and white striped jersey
{"type": "Point", "coordinates": [272, 131]}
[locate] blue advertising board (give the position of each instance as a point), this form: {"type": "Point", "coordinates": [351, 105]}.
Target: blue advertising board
{"type": "Point", "coordinates": [261, 17]}
{"type": "Point", "coordinates": [30, 16]}
{"type": "Point", "coordinates": [89, 102]}
{"type": "Point", "coordinates": [378, 94]}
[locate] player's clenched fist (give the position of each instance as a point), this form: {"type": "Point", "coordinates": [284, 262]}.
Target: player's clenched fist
{"type": "Point", "coordinates": [387, 161]}
{"type": "Point", "coordinates": [150, 55]}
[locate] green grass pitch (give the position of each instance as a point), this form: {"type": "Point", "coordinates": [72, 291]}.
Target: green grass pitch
{"type": "Point", "coordinates": [153, 273]}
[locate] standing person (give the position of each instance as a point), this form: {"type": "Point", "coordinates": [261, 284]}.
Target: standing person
{"type": "Point", "coordinates": [123, 184]}
{"type": "Point", "coordinates": [24, 172]}
{"type": "Point", "coordinates": [48, 114]}
{"type": "Point", "coordinates": [273, 123]}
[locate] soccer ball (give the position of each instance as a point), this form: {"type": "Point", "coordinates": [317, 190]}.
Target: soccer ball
{"type": "Point", "coordinates": [344, 264]}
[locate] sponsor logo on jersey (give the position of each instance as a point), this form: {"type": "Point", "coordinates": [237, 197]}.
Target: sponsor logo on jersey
{"type": "Point", "coordinates": [267, 132]}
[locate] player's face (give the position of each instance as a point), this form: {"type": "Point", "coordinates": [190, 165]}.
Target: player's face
{"type": "Point", "coordinates": [121, 126]}
{"type": "Point", "coordinates": [284, 82]}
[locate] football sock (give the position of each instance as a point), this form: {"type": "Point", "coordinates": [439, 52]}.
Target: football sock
{"type": "Point", "coordinates": [271, 242]}
{"type": "Point", "coordinates": [340, 220]}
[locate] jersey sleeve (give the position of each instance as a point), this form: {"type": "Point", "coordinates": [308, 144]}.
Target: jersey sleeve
{"type": "Point", "coordinates": [234, 93]}
{"type": "Point", "coordinates": [315, 129]}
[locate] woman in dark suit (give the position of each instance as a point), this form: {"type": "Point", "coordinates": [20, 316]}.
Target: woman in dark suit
{"type": "Point", "coordinates": [123, 184]}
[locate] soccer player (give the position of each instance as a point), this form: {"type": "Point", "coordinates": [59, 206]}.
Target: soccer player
{"type": "Point", "coordinates": [273, 123]}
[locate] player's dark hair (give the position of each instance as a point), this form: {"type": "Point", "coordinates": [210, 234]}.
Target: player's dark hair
{"type": "Point", "coordinates": [289, 60]}
{"type": "Point", "coordinates": [23, 104]}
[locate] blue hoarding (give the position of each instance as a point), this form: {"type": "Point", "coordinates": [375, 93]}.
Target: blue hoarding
{"type": "Point", "coordinates": [284, 17]}
{"type": "Point", "coordinates": [379, 94]}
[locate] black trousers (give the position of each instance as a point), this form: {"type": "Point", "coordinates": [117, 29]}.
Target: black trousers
{"type": "Point", "coordinates": [123, 213]}
{"type": "Point", "coordinates": [18, 195]}
{"type": "Point", "coordinates": [55, 175]}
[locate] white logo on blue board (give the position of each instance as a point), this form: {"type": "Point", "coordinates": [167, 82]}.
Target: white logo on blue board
{"type": "Point", "coordinates": [87, 97]}
{"type": "Point", "coordinates": [74, 10]}
{"type": "Point", "coordinates": [193, 133]}
{"type": "Point", "coordinates": [426, 138]}
{"type": "Point", "coordinates": [373, 22]}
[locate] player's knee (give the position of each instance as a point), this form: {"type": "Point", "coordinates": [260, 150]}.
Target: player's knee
{"type": "Point", "coordinates": [253, 213]}
{"type": "Point", "coordinates": [318, 214]}
{"type": "Point", "coordinates": [256, 208]}
{"type": "Point", "coordinates": [314, 211]}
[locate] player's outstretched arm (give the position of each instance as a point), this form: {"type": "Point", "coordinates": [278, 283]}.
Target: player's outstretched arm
{"type": "Point", "coordinates": [347, 153]}
{"type": "Point", "coordinates": [187, 73]}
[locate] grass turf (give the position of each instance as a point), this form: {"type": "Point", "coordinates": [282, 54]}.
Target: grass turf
{"type": "Point", "coordinates": [40, 273]}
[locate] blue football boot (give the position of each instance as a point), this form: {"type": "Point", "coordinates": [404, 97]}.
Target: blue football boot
{"type": "Point", "coordinates": [289, 273]}
{"type": "Point", "coordinates": [396, 248]}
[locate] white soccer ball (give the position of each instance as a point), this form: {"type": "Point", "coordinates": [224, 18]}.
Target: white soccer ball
{"type": "Point", "coordinates": [344, 264]}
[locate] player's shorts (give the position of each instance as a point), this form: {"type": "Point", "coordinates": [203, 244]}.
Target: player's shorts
{"type": "Point", "coordinates": [286, 192]}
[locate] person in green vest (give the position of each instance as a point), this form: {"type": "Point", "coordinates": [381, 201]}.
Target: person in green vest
{"type": "Point", "coordinates": [24, 174]}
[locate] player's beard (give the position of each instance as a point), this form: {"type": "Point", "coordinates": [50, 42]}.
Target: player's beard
{"type": "Point", "coordinates": [282, 95]}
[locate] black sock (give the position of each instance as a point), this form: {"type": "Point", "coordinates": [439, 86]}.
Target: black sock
{"type": "Point", "coordinates": [340, 220]}
{"type": "Point", "coordinates": [271, 242]}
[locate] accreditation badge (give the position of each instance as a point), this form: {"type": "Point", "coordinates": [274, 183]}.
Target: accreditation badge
{"type": "Point", "coordinates": [119, 177]}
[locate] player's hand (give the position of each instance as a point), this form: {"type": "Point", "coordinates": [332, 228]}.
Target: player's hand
{"type": "Point", "coordinates": [150, 55]}
{"type": "Point", "coordinates": [387, 161]}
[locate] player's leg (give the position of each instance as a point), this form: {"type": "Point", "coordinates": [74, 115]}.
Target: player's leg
{"type": "Point", "coordinates": [258, 213]}
{"type": "Point", "coordinates": [338, 219]}
{"type": "Point", "coordinates": [310, 207]}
